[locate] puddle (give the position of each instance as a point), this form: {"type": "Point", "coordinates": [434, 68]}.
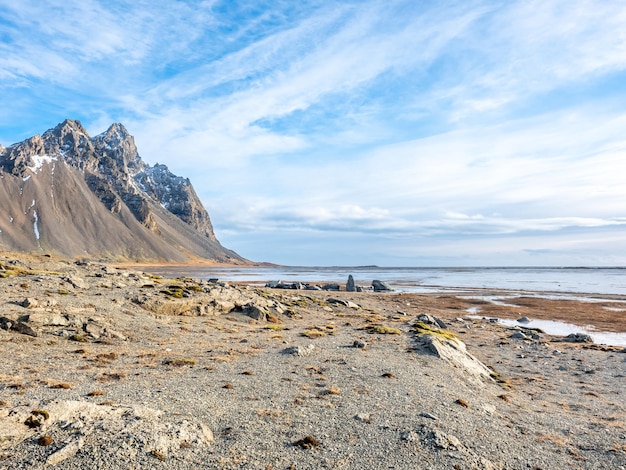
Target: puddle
{"type": "Point", "coordinates": [557, 328]}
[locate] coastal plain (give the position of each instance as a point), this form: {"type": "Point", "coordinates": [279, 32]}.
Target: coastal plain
{"type": "Point", "coordinates": [114, 368]}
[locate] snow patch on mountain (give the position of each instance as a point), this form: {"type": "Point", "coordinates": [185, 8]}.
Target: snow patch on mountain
{"type": "Point", "coordinates": [35, 226]}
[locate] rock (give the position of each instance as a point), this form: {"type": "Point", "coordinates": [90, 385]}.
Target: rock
{"type": "Point", "coordinates": [65, 452]}
{"type": "Point", "coordinates": [444, 441]}
{"type": "Point", "coordinates": [579, 338]}
{"type": "Point", "coordinates": [47, 319]}
{"type": "Point", "coordinates": [77, 282]}
{"type": "Point", "coordinates": [432, 320]}
{"type": "Point", "coordinates": [299, 350]}
{"type": "Point", "coordinates": [519, 335]}
{"type": "Point", "coordinates": [331, 287]}
{"type": "Point", "coordinates": [350, 286]}
{"type": "Point", "coordinates": [108, 333]}
{"type": "Point", "coordinates": [363, 417]}
{"type": "Point", "coordinates": [337, 301]}
{"type": "Point", "coordinates": [380, 286]}
{"type": "Point", "coordinates": [29, 303]}
{"type": "Point", "coordinates": [360, 344]}
{"type": "Point", "coordinates": [256, 312]}
{"type": "Point", "coordinates": [92, 329]}
{"type": "Point", "coordinates": [523, 320]}
{"type": "Point", "coordinates": [107, 427]}
{"type": "Point", "coordinates": [273, 284]}
{"type": "Point", "coordinates": [6, 323]}
{"type": "Point", "coordinates": [454, 352]}
{"type": "Point", "coordinates": [429, 416]}
{"type": "Point", "coordinates": [17, 326]}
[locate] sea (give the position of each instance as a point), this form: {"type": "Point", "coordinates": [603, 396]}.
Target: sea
{"type": "Point", "coordinates": [588, 284]}
{"type": "Point", "coordinates": [549, 281]}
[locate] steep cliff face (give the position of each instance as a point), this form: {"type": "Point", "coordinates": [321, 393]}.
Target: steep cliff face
{"type": "Point", "coordinates": [67, 192]}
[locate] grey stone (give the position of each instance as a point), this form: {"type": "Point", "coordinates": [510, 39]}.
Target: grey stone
{"type": "Point", "coordinates": [380, 286]}
{"type": "Point", "coordinates": [579, 338]}
{"type": "Point", "coordinates": [363, 417]}
{"type": "Point", "coordinates": [29, 302]}
{"type": "Point", "coordinates": [256, 312]}
{"type": "Point", "coordinates": [429, 416]}
{"type": "Point", "coordinates": [519, 335]}
{"type": "Point", "coordinates": [431, 320]}
{"type": "Point", "coordinates": [350, 286]}
{"type": "Point", "coordinates": [17, 326]}
{"type": "Point", "coordinates": [360, 344]}
{"type": "Point", "coordinates": [523, 320]}
{"type": "Point", "coordinates": [47, 319]}
{"type": "Point", "coordinates": [444, 441]}
{"type": "Point", "coordinates": [299, 350]}
{"type": "Point", "coordinates": [92, 329]}
{"type": "Point", "coordinates": [454, 352]}
{"type": "Point", "coordinates": [77, 282]}
{"type": "Point", "coordinates": [331, 286]}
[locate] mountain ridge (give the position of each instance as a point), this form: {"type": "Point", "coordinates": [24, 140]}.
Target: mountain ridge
{"type": "Point", "coordinates": [66, 192]}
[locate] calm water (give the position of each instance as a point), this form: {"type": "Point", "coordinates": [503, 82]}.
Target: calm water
{"type": "Point", "coordinates": [541, 280]}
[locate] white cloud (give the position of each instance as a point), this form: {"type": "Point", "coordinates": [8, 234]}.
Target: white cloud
{"type": "Point", "coordinates": [490, 122]}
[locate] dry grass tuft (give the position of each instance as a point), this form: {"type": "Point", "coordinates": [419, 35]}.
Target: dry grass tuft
{"type": "Point", "coordinates": [463, 403]}
{"type": "Point", "coordinates": [383, 330]}
{"type": "Point", "coordinates": [110, 376]}
{"type": "Point", "coordinates": [63, 386]}
{"type": "Point", "coordinates": [314, 333]}
{"type": "Point", "coordinates": [180, 361]}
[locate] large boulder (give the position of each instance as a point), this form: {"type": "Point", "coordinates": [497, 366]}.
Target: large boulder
{"type": "Point", "coordinates": [350, 285]}
{"type": "Point", "coordinates": [380, 286]}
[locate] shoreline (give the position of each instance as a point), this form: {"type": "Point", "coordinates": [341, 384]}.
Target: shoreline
{"type": "Point", "coordinates": [111, 368]}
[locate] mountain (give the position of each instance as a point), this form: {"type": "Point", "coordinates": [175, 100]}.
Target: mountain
{"type": "Point", "coordinates": [68, 193]}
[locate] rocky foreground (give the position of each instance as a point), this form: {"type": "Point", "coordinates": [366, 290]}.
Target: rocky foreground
{"type": "Point", "coordinates": [108, 368]}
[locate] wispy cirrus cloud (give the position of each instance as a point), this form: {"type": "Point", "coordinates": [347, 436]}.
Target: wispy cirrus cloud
{"type": "Point", "coordinates": [483, 121]}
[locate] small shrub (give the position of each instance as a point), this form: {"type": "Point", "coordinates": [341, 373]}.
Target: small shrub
{"type": "Point", "coordinates": [314, 333]}
{"type": "Point", "coordinates": [274, 327]}
{"type": "Point", "coordinates": [384, 330]}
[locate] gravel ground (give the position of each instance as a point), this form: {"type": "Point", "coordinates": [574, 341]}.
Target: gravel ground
{"type": "Point", "coordinates": [129, 371]}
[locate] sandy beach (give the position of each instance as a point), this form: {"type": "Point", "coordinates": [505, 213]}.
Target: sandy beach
{"type": "Point", "coordinates": [112, 368]}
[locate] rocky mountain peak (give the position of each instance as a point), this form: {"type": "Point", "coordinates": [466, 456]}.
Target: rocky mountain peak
{"type": "Point", "coordinates": [116, 143]}
{"type": "Point", "coordinates": [120, 185]}
{"type": "Point", "coordinates": [68, 126]}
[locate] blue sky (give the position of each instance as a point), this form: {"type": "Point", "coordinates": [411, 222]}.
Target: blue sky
{"type": "Point", "coordinates": [352, 132]}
